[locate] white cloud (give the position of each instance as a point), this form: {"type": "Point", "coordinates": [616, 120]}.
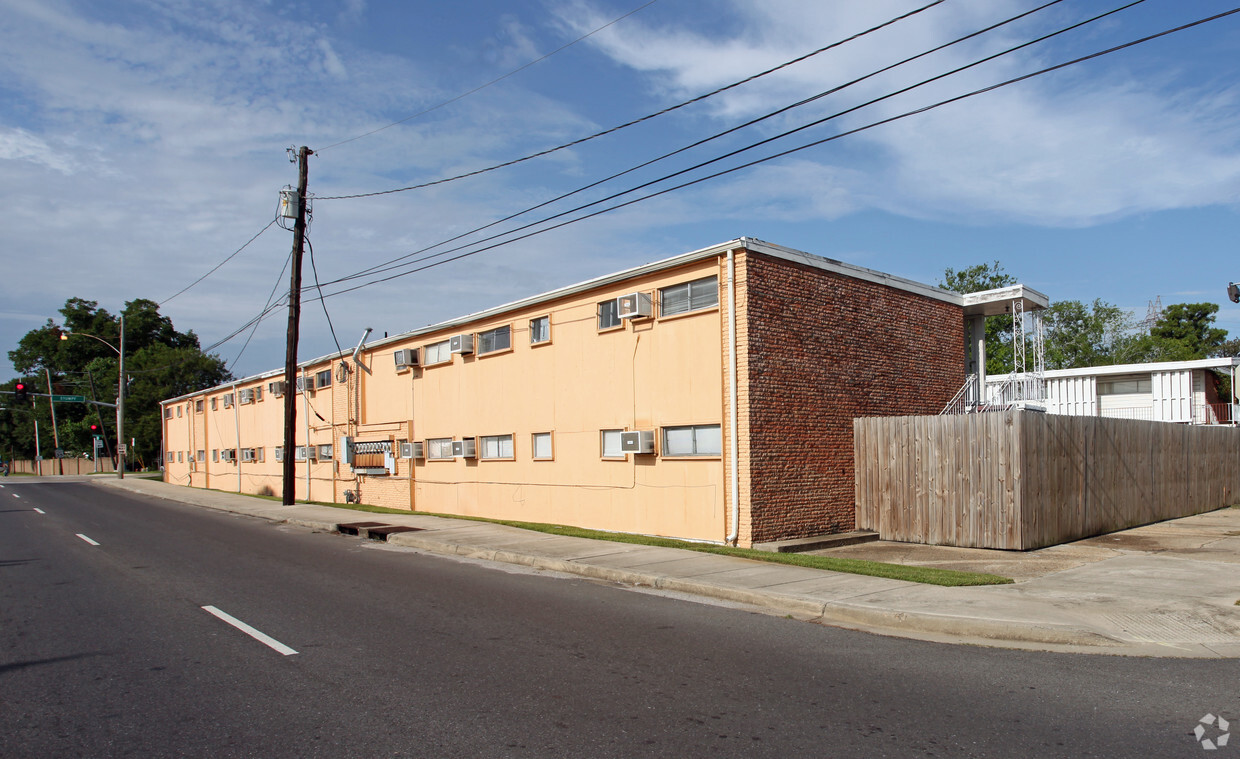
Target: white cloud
{"type": "Point", "coordinates": [20, 145]}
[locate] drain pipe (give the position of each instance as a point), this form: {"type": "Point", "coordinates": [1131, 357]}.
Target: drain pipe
{"type": "Point", "coordinates": [734, 455]}
{"type": "Point", "coordinates": [237, 428]}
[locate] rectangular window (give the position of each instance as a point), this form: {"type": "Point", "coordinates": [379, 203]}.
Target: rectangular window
{"type": "Point", "coordinates": [608, 315]}
{"type": "Point", "coordinates": [170, 456]}
{"type": "Point", "coordinates": [279, 453]}
{"type": "Point", "coordinates": [323, 378]}
{"type": "Point", "coordinates": [540, 330]}
{"type": "Point", "coordinates": [437, 353]}
{"type": "Point", "coordinates": [542, 446]}
{"type": "Point", "coordinates": [260, 455]}
{"type": "Point", "coordinates": [497, 446]}
{"type": "Point", "coordinates": [693, 440]}
{"type": "Point", "coordinates": [198, 406]}
{"type": "Point", "coordinates": [167, 412]}
{"type": "Point", "coordinates": [202, 455]}
{"type": "Point", "coordinates": [214, 404]}
{"type": "Point", "coordinates": [178, 412]}
{"type": "Point", "coordinates": [180, 457]}
{"type": "Point", "coordinates": [325, 452]}
{"type": "Point", "coordinates": [439, 448]}
{"type": "Point", "coordinates": [497, 339]}
{"type": "Point", "coordinates": [1125, 386]}
{"type": "Point", "coordinates": [611, 444]}
{"type": "Point", "coordinates": [689, 296]}
{"type": "Point", "coordinates": [215, 455]}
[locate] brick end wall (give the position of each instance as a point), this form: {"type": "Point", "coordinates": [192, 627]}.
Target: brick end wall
{"type": "Point", "coordinates": [823, 349]}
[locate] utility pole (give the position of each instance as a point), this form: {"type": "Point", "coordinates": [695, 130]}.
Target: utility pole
{"type": "Point", "coordinates": [55, 435]}
{"type": "Point", "coordinates": [294, 316]}
{"type": "Point", "coordinates": [120, 408]}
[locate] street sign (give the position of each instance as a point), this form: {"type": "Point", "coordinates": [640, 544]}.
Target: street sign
{"type": "Point", "coordinates": [69, 398]}
{"type": "Point", "coordinates": [60, 453]}
{"type": "Point", "coordinates": [120, 448]}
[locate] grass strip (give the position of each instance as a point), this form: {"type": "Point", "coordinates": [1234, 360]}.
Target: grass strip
{"type": "Point", "coordinates": [927, 575]}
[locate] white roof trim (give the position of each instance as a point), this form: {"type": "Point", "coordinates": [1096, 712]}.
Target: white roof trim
{"type": "Point", "coordinates": [1148, 368]}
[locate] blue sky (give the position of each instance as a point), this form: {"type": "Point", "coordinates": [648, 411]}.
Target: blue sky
{"type": "Point", "coordinates": [143, 142]}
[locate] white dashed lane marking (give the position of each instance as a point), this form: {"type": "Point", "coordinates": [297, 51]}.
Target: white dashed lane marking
{"type": "Point", "coordinates": [255, 634]}
{"type": "Point", "coordinates": [88, 540]}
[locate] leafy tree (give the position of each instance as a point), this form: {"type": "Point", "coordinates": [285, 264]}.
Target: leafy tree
{"type": "Point", "coordinates": [999, 354]}
{"type": "Point", "coordinates": [1183, 332]}
{"type": "Point", "coordinates": [1077, 335]}
{"type": "Point", "coordinates": [160, 363]}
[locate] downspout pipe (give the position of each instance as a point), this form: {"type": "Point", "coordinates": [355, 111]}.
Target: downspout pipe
{"type": "Point", "coordinates": [734, 455]}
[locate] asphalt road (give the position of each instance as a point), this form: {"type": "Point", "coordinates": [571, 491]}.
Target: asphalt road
{"type": "Point", "coordinates": [106, 650]}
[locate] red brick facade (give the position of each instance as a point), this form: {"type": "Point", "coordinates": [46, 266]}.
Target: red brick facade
{"type": "Point", "coordinates": [824, 348]}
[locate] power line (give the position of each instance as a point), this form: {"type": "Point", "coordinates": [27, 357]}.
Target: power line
{"type": "Point", "coordinates": [392, 263]}
{"type": "Point", "coordinates": [221, 263]}
{"type": "Point", "coordinates": [322, 302]}
{"type": "Point", "coordinates": [815, 143]}
{"type": "Point", "coordinates": [648, 117]}
{"type": "Point", "coordinates": [270, 296]}
{"type": "Point", "coordinates": [493, 81]}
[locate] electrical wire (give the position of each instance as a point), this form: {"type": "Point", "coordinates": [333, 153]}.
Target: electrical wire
{"type": "Point", "coordinates": [322, 301]}
{"type": "Point", "coordinates": [493, 81]}
{"type": "Point", "coordinates": [648, 117]}
{"type": "Point", "coordinates": [392, 264]}
{"type": "Point", "coordinates": [279, 279]}
{"type": "Point", "coordinates": [221, 263]}
{"type": "Point", "coordinates": [816, 143]}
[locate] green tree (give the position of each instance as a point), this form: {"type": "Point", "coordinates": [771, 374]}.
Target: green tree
{"type": "Point", "coordinates": [160, 363]}
{"type": "Point", "coordinates": [1077, 335]}
{"type": "Point", "coordinates": [999, 354]}
{"type": "Point", "coordinates": [1183, 332]}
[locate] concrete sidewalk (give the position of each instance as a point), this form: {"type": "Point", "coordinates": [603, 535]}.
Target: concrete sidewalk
{"type": "Point", "coordinates": [1162, 590]}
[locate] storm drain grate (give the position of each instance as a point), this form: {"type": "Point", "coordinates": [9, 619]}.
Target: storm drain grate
{"type": "Point", "coordinates": [373, 530]}
{"type": "Point", "coordinates": [356, 528]}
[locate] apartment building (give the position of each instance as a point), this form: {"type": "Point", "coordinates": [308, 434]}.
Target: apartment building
{"type": "Point", "coordinates": [708, 396]}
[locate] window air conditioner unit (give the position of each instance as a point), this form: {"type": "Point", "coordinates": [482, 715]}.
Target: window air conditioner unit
{"type": "Point", "coordinates": [246, 396]}
{"type": "Point", "coordinates": [406, 358]}
{"type": "Point", "coordinates": [247, 454]}
{"type": "Point", "coordinates": [637, 441]}
{"type": "Point", "coordinates": [325, 452]}
{"type": "Point", "coordinates": [228, 400]}
{"type": "Point", "coordinates": [465, 448]}
{"type": "Point", "coordinates": [346, 447]}
{"type": "Point", "coordinates": [414, 450]}
{"type": "Point", "coordinates": [634, 306]}
{"type": "Point", "coordinates": [276, 388]}
{"type": "Point", "coordinates": [462, 344]}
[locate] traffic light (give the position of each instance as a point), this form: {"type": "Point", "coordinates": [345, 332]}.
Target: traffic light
{"type": "Point", "coordinates": [19, 392]}
{"type": "Point", "coordinates": [94, 429]}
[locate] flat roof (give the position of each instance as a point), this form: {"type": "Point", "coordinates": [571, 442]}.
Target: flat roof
{"type": "Point", "coordinates": [1147, 368]}
{"type": "Point", "coordinates": [974, 303]}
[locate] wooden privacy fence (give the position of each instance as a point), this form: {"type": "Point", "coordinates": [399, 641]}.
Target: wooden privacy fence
{"type": "Point", "coordinates": [50, 467]}
{"type": "Point", "coordinates": [1024, 479]}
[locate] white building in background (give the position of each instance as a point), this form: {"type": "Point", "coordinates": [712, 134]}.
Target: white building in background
{"type": "Point", "coordinates": [1176, 391]}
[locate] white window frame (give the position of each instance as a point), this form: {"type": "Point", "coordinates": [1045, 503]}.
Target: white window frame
{"type": "Point", "coordinates": [540, 330]}
{"type": "Point", "coordinates": [609, 315]}
{"type": "Point", "coordinates": [279, 453]}
{"type": "Point", "coordinates": [695, 445]}
{"type": "Point", "coordinates": [697, 295]}
{"type": "Point", "coordinates": [496, 447]}
{"type": "Point", "coordinates": [323, 378]}
{"type": "Point", "coordinates": [437, 353]}
{"type": "Point", "coordinates": [488, 341]}
{"type": "Point", "coordinates": [534, 438]}
{"type": "Point", "coordinates": [612, 435]}
{"type": "Point", "coordinates": [202, 455]}
{"type": "Point", "coordinates": [436, 447]}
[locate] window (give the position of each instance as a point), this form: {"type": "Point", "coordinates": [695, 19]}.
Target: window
{"type": "Point", "coordinates": [608, 314]}
{"type": "Point", "coordinates": [167, 412]}
{"type": "Point", "coordinates": [259, 455]}
{"type": "Point", "coordinates": [178, 412]}
{"type": "Point", "coordinates": [325, 452]}
{"type": "Point", "coordinates": [497, 446]}
{"type": "Point", "coordinates": [439, 448]}
{"type": "Point", "coordinates": [437, 353]}
{"type": "Point", "coordinates": [497, 339]}
{"type": "Point", "coordinates": [171, 455]}
{"type": "Point", "coordinates": [542, 446]}
{"type": "Point", "coordinates": [689, 296]}
{"type": "Point", "coordinates": [180, 457]}
{"type": "Point", "coordinates": [323, 378]}
{"type": "Point", "coordinates": [611, 444]}
{"type": "Point", "coordinates": [202, 455]}
{"type": "Point", "coordinates": [279, 453]}
{"type": "Point", "coordinates": [198, 406]}
{"type": "Point", "coordinates": [540, 330]}
{"type": "Point", "coordinates": [693, 440]}
{"type": "Point", "coordinates": [1130, 386]}
{"type": "Point", "coordinates": [214, 404]}
{"type": "Point", "coordinates": [228, 400]}
{"type": "Point", "coordinates": [215, 455]}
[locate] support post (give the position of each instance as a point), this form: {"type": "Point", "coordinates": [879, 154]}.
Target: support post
{"type": "Point", "coordinates": [120, 406]}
